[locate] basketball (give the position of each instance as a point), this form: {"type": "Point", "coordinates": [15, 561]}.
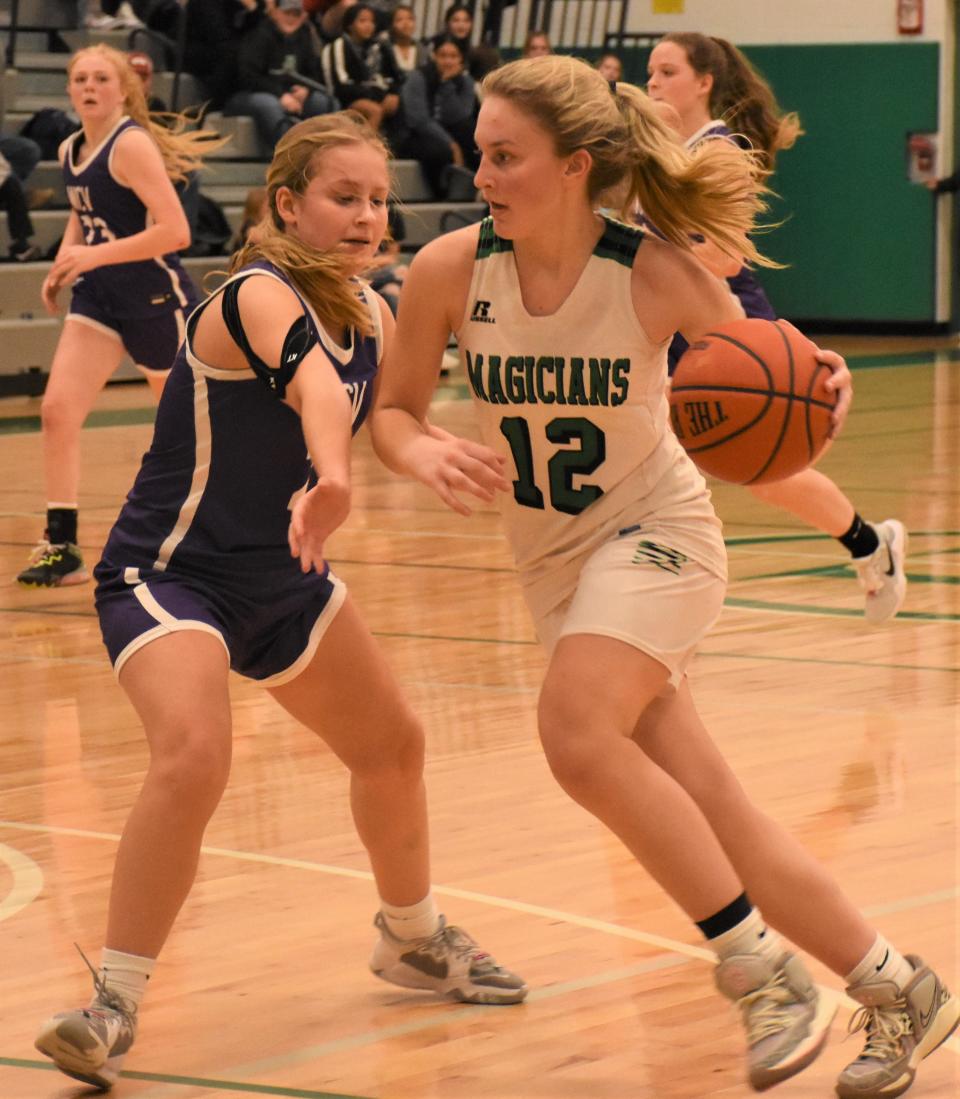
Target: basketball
{"type": "Point", "coordinates": [748, 402]}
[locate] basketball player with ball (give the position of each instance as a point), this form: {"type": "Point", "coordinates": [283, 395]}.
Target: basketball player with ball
{"type": "Point", "coordinates": [704, 80]}
{"type": "Point", "coordinates": [564, 318]}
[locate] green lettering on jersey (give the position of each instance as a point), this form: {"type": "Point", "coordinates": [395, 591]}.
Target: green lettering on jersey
{"type": "Point", "coordinates": [515, 387]}
{"type": "Point", "coordinates": [560, 365]}
{"type": "Point", "coordinates": [576, 390]}
{"type": "Point", "coordinates": [475, 374]}
{"type": "Point", "coordinates": [600, 381]}
{"type": "Point", "coordinates": [621, 381]}
{"type": "Point", "coordinates": [494, 382]}
{"type": "Point", "coordinates": [545, 389]}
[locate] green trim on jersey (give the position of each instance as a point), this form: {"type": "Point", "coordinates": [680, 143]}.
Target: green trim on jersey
{"type": "Point", "coordinates": [489, 243]}
{"type": "Point", "coordinates": [619, 242]}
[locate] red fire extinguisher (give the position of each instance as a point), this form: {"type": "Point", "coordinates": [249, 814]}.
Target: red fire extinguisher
{"type": "Point", "coordinates": [910, 16]}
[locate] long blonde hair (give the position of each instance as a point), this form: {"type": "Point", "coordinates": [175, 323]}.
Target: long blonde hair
{"type": "Point", "coordinates": [713, 189]}
{"type": "Point", "coordinates": [740, 95]}
{"type": "Point", "coordinates": [322, 277]}
{"type": "Point", "coordinates": [182, 149]}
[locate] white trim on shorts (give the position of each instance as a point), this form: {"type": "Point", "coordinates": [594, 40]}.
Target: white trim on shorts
{"type": "Point", "coordinates": [94, 324]}
{"type": "Point", "coordinates": [166, 624]}
{"type": "Point", "coordinates": [320, 627]}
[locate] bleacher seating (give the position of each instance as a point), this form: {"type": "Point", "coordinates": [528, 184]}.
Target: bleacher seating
{"type": "Point", "coordinates": [46, 37]}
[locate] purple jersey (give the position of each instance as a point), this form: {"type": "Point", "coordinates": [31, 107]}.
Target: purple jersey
{"type": "Point", "coordinates": [213, 496]}
{"type": "Point", "coordinates": [108, 210]}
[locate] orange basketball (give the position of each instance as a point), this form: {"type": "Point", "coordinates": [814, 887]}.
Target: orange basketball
{"type": "Point", "coordinates": [748, 402]}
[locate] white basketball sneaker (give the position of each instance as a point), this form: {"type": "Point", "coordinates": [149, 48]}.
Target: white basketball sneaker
{"type": "Point", "coordinates": [449, 962]}
{"type": "Point", "coordinates": [882, 575]}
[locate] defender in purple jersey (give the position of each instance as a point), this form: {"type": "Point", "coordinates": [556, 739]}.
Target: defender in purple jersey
{"type": "Point", "coordinates": [119, 255]}
{"type": "Point", "coordinates": [705, 80]}
{"type": "Point", "coordinates": [216, 562]}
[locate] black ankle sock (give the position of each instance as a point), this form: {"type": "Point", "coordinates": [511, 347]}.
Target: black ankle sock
{"type": "Point", "coordinates": [861, 539]}
{"type": "Point", "coordinates": [727, 918]}
{"type": "Point", "coordinates": [61, 525]}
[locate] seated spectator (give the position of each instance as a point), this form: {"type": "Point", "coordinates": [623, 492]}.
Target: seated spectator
{"type": "Point", "coordinates": [23, 155]}
{"type": "Point", "coordinates": [327, 15]}
{"type": "Point", "coordinates": [408, 51]}
{"type": "Point", "coordinates": [387, 274]}
{"type": "Point", "coordinates": [609, 66]}
{"type": "Point", "coordinates": [255, 209]}
{"type": "Point", "coordinates": [458, 24]}
{"type": "Point", "coordinates": [20, 227]}
{"type": "Point", "coordinates": [437, 117]}
{"type": "Point", "coordinates": [537, 44]}
{"type": "Point", "coordinates": [360, 69]}
{"type": "Point", "coordinates": [215, 29]}
{"type": "Point", "coordinates": [142, 65]}
{"type": "Point", "coordinates": [274, 58]}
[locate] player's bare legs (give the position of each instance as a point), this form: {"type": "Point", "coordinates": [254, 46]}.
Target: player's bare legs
{"type": "Point", "coordinates": [349, 697]}
{"type": "Point", "coordinates": [792, 889]}
{"type": "Point", "coordinates": [812, 497]}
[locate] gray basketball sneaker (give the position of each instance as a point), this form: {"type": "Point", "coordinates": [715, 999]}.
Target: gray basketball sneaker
{"type": "Point", "coordinates": [902, 1028]}
{"type": "Point", "coordinates": [449, 962]}
{"type": "Point", "coordinates": [90, 1044]}
{"type": "Point", "coordinates": [882, 575]}
{"type": "Point", "coordinates": [784, 1015]}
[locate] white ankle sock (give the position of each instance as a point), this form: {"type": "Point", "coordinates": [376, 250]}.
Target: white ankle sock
{"type": "Point", "coordinates": [750, 936]}
{"type": "Point", "coordinates": [126, 974]}
{"type": "Point", "coordinates": [412, 921]}
{"type": "Point", "coordinates": [882, 962]}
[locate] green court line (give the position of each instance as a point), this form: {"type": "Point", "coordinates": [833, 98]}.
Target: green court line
{"type": "Point", "coordinates": [844, 572]}
{"type": "Point", "coordinates": [21, 425]}
{"type": "Point", "coordinates": [760, 539]}
{"type": "Point", "coordinates": [835, 612]}
{"type": "Point", "coordinates": [885, 666]}
{"type": "Point", "coordinates": [195, 1082]}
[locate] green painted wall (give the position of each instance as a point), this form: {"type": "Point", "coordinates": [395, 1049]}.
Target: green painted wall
{"type": "Point", "coordinates": [858, 239]}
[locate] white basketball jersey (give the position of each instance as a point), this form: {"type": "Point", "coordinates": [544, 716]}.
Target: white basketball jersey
{"type": "Point", "coordinates": [576, 404]}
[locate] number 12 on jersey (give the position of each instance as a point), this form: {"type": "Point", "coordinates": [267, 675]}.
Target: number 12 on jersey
{"type": "Point", "coordinates": [562, 467]}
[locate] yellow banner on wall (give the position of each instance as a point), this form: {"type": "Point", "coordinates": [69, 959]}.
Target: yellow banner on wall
{"type": "Point", "coordinates": [667, 7]}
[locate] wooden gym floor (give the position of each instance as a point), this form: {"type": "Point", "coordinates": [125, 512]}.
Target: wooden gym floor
{"type": "Point", "coordinates": [847, 734]}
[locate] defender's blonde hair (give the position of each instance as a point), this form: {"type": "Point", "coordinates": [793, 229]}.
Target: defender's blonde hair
{"type": "Point", "coordinates": [740, 95]}
{"type": "Point", "coordinates": [182, 149]}
{"type": "Point", "coordinates": [712, 190]}
{"type": "Point", "coordinates": [322, 277]}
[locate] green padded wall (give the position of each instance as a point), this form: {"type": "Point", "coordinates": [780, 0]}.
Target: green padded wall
{"type": "Point", "coordinates": [859, 238]}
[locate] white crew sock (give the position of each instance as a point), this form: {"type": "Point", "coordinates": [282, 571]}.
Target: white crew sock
{"type": "Point", "coordinates": [750, 936]}
{"type": "Point", "coordinates": [412, 921]}
{"type": "Point", "coordinates": [882, 962]}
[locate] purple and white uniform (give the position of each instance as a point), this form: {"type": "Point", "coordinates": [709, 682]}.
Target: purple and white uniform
{"type": "Point", "coordinates": [743, 284]}
{"type": "Point", "coordinates": [145, 303]}
{"type": "Point", "coordinates": [201, 542]}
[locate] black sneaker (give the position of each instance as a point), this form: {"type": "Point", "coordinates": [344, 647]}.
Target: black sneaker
{"type": "Point", "coordinates": [54, 566]}
{"type": "Point", "coordinates": [26, 253]}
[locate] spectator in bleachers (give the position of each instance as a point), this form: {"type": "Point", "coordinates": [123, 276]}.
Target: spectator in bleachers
{"type": "Point", "coordinates": [537, 44]}
{"type": "Point", "coordinates": [142, 65]}
{"type": "Point", "coordinates": [609, 66]}
{"type": "Point", "coordinates": [410, 53]}
{"type": "Point", "coordinates": [255, 209]}
{"type": "Point", "coordinates": [23, 155]}
{"type": "Point", "coordinates": [458, 24]}
{"type": "Point", "coordinates": [273, 57]}
{"type": "Point", "coordinates": [215, 29]}
{"type": "Point", "coordinates": [360, 69]}
{"type": "Point", "coordinates": [388, 272]}
{"type": "Point", "coordinates": [438, 114]}
{"type": "Point", "coordinates": [13, 202]}
{"type": "Point", "coordinates": [327, 15]}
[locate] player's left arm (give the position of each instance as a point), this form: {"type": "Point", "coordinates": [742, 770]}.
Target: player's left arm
{"type": "Point", "coordinates": [136, 164]}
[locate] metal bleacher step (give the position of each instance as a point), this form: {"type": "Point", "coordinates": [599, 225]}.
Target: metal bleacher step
{"type": "Point", "coordinates": [423, 222]}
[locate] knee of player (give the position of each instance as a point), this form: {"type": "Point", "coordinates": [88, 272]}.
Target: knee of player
{"type": "Point", "coordinates": [191, 762]}
{"type": "Point", "coordinates": [58, 412]}
{"type": "Point", "coordinates": [571, 752]}
{"type": "Point", "coordinates": [401, 756]}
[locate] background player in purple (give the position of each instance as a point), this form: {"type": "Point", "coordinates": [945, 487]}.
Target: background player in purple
{"type": "Point", "coordinates": [717, 94]}
{"type": "Point", "coordinates": [216, 561]}
{"type": "Point", "coordinates": [129, 289]}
